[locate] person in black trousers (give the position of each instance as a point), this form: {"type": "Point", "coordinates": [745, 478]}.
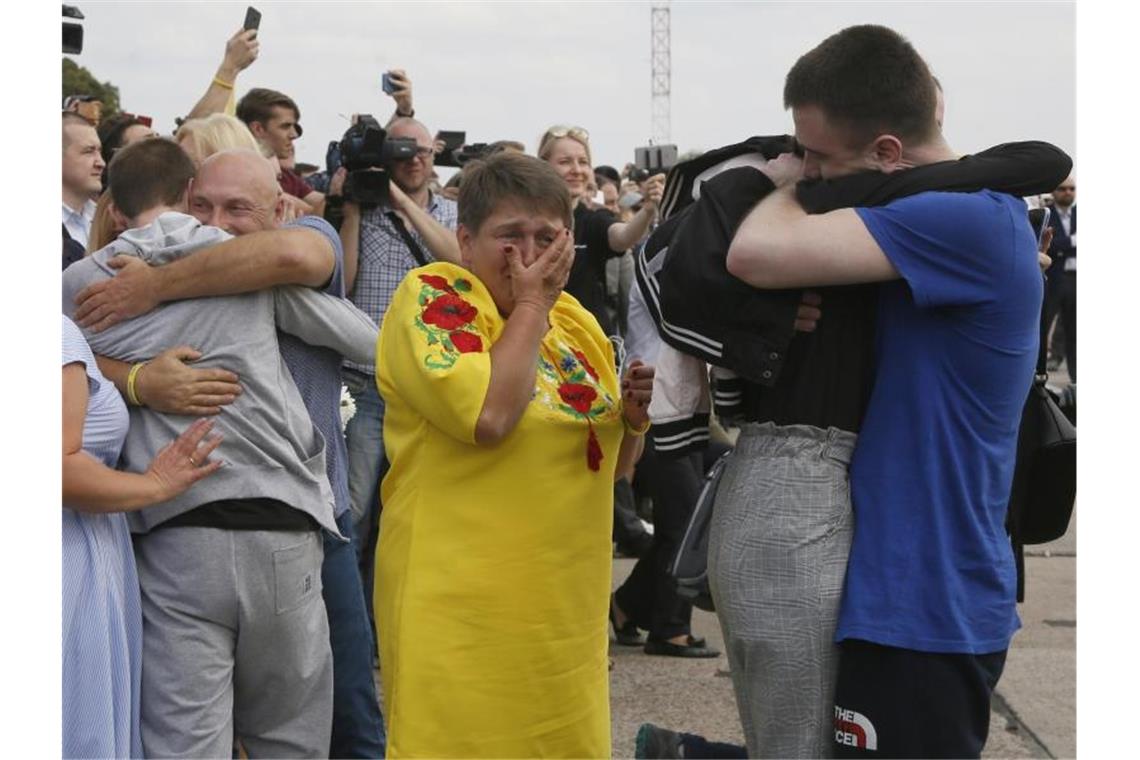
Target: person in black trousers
{"type": "Point", "coordinates": [648, 599]}
{"type": "Point", "coordinates": [1061, 279]}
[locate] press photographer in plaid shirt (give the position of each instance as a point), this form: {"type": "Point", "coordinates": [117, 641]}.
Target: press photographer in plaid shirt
{"type": "Point", "coordinates": [414, 228]}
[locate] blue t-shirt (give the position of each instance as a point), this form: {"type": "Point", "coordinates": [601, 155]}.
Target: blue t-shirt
{"type": "Point", "coordinates": [931, 567]}
{"type": "Point", "coordinates": [316, 371]}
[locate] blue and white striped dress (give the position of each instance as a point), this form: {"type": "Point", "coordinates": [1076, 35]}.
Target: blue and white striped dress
{"type": "Point", "coordinates": [102, 618]}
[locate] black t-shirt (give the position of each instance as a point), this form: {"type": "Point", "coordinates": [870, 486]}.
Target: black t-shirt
{"type": "Point", "coordinates": [828, 374]}
{"type": "Point", "coordinates": [587, 280]}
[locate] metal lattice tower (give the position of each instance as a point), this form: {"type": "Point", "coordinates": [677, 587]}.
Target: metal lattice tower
{"type": "Point", "coordinates": [660, 73]}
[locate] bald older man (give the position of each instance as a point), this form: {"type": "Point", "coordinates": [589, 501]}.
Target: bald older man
{"type": "Point", "coordinates": [237, 639]}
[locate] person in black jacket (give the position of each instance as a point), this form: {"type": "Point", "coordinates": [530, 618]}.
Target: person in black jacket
{"type": "Point", "coordinates": [1061, 279]}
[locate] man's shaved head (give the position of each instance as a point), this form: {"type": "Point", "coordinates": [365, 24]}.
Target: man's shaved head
{"type": "Point", "coordinates": [237, 190]}
{"type": "Point", "coordinates": [404, 126]}
{"type": "Point", "coordinates": [244, 161]}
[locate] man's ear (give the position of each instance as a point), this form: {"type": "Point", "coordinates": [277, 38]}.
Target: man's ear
{"type": "Point", "coordinates": [464, 237]}
{"type": "Point", "coordinates": [258, 129]}
{"type": "Point", "coordinates": [886, 152]}
{"type": "Point", "coordinates": [279, 209]}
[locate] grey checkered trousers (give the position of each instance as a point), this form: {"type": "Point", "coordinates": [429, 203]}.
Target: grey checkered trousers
{"type": "Point", "coordinates": [778, 544]}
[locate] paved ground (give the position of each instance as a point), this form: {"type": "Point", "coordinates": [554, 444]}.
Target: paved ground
{"type": "Point", "coordinates": [1034, 712]}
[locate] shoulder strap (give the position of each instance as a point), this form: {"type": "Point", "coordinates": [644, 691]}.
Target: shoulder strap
{"type": "Point", "coordinates": [413, 246]}
{"type": "Point", "coordinates": [1041, 375]}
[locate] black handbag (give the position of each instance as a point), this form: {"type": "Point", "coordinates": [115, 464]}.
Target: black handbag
{"type": "Point", "coordinates": [689, 568]}
{"type": "Point", "coordinates": [1051, 462]}
{"type": "Point", "coordinates": [1045, 475]}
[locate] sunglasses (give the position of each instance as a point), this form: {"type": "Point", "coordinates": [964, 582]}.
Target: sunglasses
{"type": "Point", "coordinates": [560, 131]}
{"type": "Point", "coordinates": [1070, 188]}
{"type": "Point", "coordinates": [421, 153]}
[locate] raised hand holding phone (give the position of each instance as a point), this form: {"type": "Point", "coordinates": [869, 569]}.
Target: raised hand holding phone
{"type": "Point", "coordinates": [396, 83]}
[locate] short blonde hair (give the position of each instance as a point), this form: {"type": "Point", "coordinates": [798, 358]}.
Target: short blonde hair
{"type": "Point", "coordinates": [556, 133]}
{"type": "Point", "coordinates": [214, 133]}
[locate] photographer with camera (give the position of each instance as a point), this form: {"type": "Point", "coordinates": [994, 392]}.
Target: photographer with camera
{"type": "Point", "coordinates": [393, 223]}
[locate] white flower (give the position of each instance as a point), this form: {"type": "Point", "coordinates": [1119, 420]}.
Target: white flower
{"type": "Point", "coordinates": [347, 407]}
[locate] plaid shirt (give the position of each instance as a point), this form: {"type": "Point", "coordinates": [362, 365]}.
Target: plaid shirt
{"type": "Point", "coordinates": [385, 260]}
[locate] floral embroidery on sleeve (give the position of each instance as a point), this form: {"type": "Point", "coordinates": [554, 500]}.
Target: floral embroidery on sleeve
{"type": "Point", "coordinates": [446, 319]}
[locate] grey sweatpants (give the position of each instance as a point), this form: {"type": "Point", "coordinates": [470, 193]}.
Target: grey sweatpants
{"type": "Point", "coordinates": [778, 544]}
{"type": "Point", "coordinates": [235, 643]}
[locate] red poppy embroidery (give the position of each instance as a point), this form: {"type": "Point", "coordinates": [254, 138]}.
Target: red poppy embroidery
{"type": "Point", "coordinates": [579, 397]}
{"type": "Point", "coordinates": [465, 342]}
{"type": "Point", "coordinates": [593, 451]}
{"type": "Point", "coordinates": [585, 363]}
{"type": "Point", "coordinates": [578, 390]}
{"type": "Point", "coordinates": [449, 312]}
{"type": "Point", "coordinates": [437, 282]}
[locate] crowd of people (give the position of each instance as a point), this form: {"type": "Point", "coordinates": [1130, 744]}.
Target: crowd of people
{"type": "Point", "coordinates": [528, 348]}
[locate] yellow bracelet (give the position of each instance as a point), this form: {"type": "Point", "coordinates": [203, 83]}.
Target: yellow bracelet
{"type": "Point", "coordinates": [636, 431]}
{"type": "Point", "coordinates": [132, 392]}
{"type": "Point", "coordinates": [223, 83]}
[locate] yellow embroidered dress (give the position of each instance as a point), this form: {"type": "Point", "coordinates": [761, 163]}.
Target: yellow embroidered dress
{"type": "Point", "coordinates": [493, 567]}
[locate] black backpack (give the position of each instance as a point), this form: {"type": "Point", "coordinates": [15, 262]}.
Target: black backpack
{"type": "Point", "coordinates": [689, 568]}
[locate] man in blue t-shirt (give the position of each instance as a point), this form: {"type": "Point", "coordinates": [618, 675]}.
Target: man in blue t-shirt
{"type": "Point", "coordinates": [928, 608]}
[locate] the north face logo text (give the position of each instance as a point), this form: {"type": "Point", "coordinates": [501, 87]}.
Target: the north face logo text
{"type": "Point", "coordinates": [852, 729]}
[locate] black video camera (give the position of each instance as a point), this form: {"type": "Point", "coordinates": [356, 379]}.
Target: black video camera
{"type": "Point", "coordinates": [366, 151]}
{"type": "Point", "coordinates": [72, 32]}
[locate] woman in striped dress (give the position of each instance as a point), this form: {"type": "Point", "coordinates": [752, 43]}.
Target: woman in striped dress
{"type": "Point", "coordinates": [102, 621]}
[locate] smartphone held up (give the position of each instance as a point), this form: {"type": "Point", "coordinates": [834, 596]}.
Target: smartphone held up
{"type": "Point", "coordinates": [252, 19]}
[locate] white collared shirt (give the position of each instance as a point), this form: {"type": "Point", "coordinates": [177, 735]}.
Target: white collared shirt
{"type": "Point", "coordinates": [1066, 217]}
{"type": "Point", "coordinates": [78, 223]}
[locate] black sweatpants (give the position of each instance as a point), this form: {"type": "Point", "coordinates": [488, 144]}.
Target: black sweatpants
{"type": "Point", "coordinates": [892, 702]}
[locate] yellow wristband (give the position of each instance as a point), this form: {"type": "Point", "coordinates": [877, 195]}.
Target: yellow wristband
{"type": "Point", "coordinates": [223, 83]}
{"type": "Point", "coordinates": [636, 431]}
{"type": "Point", "coordinates": [132, 376]}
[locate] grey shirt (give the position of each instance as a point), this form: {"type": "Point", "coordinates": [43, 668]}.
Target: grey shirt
{"type": "Point", "coordinates": [271, 448]}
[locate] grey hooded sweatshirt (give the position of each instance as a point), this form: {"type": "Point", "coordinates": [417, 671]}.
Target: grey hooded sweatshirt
{"type": "Point", "coordinates": [271, 448]}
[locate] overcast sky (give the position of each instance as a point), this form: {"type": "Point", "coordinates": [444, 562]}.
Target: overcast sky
{"type": "Point", "coordinates": [508, 71]}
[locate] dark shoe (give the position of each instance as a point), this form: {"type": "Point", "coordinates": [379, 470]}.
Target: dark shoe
{"type": "Point", "coordinates": [627, 635]}
{"type": "Point", "coordinates": [695, 648]}
{"type": "Point", "coordinates": [653, 741]}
